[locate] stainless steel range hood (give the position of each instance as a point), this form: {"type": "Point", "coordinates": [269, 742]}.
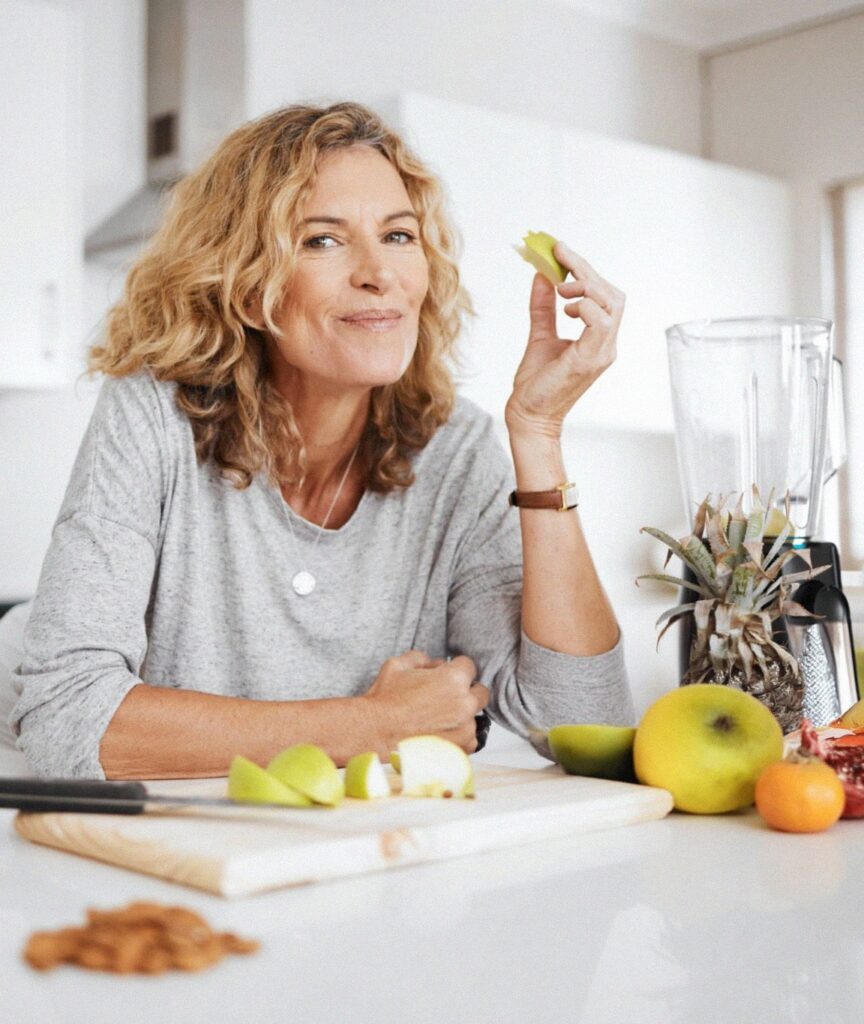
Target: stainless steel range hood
{"type": "Point", "coordinates": [195, 96]}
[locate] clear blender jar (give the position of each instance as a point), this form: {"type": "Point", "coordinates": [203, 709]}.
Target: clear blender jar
{"type": "Point", "coordinates": [759, 401]}
{"type": "Point", "coordinates": [751, 401]}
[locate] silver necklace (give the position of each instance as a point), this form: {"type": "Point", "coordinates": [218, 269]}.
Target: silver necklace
{"type": "Point", "coordinates": [303, 582]}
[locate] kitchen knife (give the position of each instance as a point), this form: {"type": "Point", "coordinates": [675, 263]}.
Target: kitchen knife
{"type": "Point", "coordinates": [93, 796]}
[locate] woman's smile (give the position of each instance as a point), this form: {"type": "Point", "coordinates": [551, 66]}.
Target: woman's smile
{"type": "Point", "coordinates": [375, 320]}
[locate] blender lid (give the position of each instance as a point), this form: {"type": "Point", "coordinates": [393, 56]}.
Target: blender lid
{"type": "Point", "coordinates": [700, 329]}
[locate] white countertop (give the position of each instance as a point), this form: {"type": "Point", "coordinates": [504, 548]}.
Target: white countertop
{"type": "Point", "coordinates": [690, 919]}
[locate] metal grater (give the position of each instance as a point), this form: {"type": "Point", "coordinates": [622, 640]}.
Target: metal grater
{"type": "Point", "coordinates": [821, 701]}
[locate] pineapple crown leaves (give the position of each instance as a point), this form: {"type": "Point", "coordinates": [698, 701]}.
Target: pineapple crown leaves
{"type": "Point", "coordinates": [739, 590]}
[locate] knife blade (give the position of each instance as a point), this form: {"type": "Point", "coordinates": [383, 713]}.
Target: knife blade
{"type": "Point", "coordinates": [95, 796]}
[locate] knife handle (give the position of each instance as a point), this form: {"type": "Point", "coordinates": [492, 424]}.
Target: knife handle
{"type": "Point", "coordinates": [84, 796]}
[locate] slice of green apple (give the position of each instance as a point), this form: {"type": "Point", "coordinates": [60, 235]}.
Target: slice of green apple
{"type": "Point", "coordinates": [310, 770]}
{"type": "Point", "coordinates": [433, 766]}
{"type": "Point", "coordinates": [538, 251]}
{"type": "Point", "coordinates": [395, 762]}
{"type": "Point", "coordinates": [249, 783]}
{"type": "Point", "coordinates": [365, 778]}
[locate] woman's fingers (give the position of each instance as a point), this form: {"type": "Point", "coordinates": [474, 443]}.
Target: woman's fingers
{"type": "Point", "coordinates": [591, 313]}
{"type": "Point", "coordinates": [603, 293]}
{"type": "Point", "coordinates": [413, 659]}
{"type": "Point", "coordinates": [481, 694]}
{"type": "Point", "coordinates": [578, 266]}
{"type": "Point", "coordinates": [463, 669]}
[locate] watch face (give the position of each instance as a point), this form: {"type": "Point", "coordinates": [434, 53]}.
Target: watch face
{"type": "Point", "coordinates": [571, 496]}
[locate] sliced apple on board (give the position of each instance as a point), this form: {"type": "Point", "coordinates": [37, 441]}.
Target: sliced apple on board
{"type": "Point", "coordinates": [249, 783]}
{"type": "Point", "coordinates": [310, 770]}
{"type": "Point", "coordinates": [538, 251]}
{"type": "Point", "coordinates": [365, 778]}
{"type": "Point", "coordinates": [436, 767]}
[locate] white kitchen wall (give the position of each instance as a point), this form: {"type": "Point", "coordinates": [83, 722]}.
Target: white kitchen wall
{"type": "Point", "coordinates": [806, 126]}
{"type": "Point", "coordinates": [545, 60]}
{"type": "Point", "coordinates": [683, 237]}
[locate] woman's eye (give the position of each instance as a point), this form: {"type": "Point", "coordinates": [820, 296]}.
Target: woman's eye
{"type": "Point", "coordinates": [319, 242]}
{"type": "Point", "coordinates": [406, 235]}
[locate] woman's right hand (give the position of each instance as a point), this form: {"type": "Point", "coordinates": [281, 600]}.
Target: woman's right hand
{"type": "Point", "coordinates": [414, 695]}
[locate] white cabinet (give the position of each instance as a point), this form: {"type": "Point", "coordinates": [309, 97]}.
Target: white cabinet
{"type": "Point", "coordinates": [41, 262]}
{"type": "Point", "coordinates": [685, 238]}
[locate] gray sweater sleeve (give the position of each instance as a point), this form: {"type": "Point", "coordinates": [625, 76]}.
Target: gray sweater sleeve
{"type": "Point", "coordinates": [532, 687]}
{"type": "Point", "coordinates": [86, 640]}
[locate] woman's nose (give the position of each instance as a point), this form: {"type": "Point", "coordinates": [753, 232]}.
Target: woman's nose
{"type": "Point", "coordinates": [370, 268]}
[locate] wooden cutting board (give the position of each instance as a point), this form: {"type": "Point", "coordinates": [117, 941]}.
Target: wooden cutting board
{"type": "Point", "coordinates": [238, 852]}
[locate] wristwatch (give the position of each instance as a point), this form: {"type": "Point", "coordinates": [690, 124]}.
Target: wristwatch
{"type": "Point", "coordinates": [562, 498]}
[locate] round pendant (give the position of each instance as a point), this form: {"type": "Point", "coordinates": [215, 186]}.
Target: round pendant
{"type": "Point", "coordinates": [303, 583]}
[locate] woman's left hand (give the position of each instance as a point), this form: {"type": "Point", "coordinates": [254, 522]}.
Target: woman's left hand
{"type": "Point", "coordinates": [554, 371]}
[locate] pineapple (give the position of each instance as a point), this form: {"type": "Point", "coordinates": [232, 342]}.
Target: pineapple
{"type": "Point", "coordinates": [740, 593]}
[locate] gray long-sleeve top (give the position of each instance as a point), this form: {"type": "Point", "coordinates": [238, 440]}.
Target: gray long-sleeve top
{"type": "Point", "coordinates": [160, 571]}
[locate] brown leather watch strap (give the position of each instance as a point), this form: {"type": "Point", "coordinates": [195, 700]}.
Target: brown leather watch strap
{"type": "Point", "coordinates": [562, 498]}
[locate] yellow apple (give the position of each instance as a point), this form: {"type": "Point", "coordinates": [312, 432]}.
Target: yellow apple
{"type": "Point", "coordinates": [365, 778]}
{"type": "Point", "coordinates": [707, 745]}
{"type": "Point", "coordinates": [538, 251]}
{"type": "Point", "coordinates": [310, 770]}
{"type": "Point", "coordinates": [601, 751]}
{"type": "Point", "coordinates": [249, 783]}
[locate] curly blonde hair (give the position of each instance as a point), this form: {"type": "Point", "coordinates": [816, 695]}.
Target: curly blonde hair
{"type": "Point", "coordinates": [229, 238]}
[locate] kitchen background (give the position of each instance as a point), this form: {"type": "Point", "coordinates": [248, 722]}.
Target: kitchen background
{"type": "Point", "coordinates": [707, 156]}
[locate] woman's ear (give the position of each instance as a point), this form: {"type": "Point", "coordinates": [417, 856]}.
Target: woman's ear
{"type": "Point", "coordinates": [252, 307]}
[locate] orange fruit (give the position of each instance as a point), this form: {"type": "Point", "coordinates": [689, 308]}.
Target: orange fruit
{"type": "Point", "coordinates": [799, 796]}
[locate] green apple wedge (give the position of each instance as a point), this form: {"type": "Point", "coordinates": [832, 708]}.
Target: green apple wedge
{"type": "Point", "coordinates": [436, 767]}
{"type": "Point", "coordinates": [538, 251]}
{"type": "Point", "coordinates": [600, 751]}
{"type": "Point", "coordinates": [365, 778]}
{"type": "Point", "coordinates": [310, 770]}
{"type": "Point", "coordinates": [395, 762]}
{"type": "Point", "coordinates": [249, 783]}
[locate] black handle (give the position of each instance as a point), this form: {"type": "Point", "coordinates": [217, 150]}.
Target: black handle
{"type": "Point", "coordinates": [482, 723]}
{"type": "Point", "coordinates": [84, 796]}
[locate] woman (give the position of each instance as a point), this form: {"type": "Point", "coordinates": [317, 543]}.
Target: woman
{"type": "Point", "coordinates": [282, 525]}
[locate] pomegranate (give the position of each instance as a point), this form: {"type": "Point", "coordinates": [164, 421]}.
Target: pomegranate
{"type": "Point", "coordinates": [846, 758]}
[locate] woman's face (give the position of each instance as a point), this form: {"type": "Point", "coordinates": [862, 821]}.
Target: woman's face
{"type": "Point", "coordinates": [352, 315]}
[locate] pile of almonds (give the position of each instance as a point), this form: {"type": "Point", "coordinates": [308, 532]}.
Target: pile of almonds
{"type": "Point", "coordinates": [143, 938]}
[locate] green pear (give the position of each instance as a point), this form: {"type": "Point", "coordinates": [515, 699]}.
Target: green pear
{"type": "Point", "coordinates": [433, 766]}
{"type": "Point", "coordinates": [365, 778]}
{"type": "Point", "coordinates": [249, 783]}
{"type": "Point", "coordinates": [601, 751]}
{"type": "Point", "coordinates": [310, 770]}
{"type": "Point", "coordinates": [538, 251]}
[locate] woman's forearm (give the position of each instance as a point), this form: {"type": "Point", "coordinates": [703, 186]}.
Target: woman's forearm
{"type": "Point", "coordinates": [159, 733]}
{"type": "Point", "coordinates": [564, 606]}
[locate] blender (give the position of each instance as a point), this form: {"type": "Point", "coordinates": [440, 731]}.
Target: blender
{"type": "Point", "coordinates": [758, 401]}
